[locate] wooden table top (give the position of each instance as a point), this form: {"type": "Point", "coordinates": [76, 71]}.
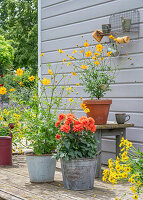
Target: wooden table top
{"type": "Point", "coordinates": [114, 125]}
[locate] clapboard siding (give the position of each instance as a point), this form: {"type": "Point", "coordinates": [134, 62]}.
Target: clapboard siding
{"type": "Point", "coordinates": [69, 6]}
{"type": "Point", "coordinates": [63, 22]}
{"type": "Point", "coordinates": [92, 13]}
{"type": "Point", "coordinates": [45, 3]}
{"type": "Point", "coordinates": [75, 29]}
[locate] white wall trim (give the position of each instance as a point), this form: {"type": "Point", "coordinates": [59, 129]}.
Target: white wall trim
{"type": "Point", "coordinates": [39, 45]}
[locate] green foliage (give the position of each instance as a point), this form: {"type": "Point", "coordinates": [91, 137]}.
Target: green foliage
{"type": "Point", "coordinates": [4, 131]}
{"type": "Point", "coordinates": [22, 28]}
{"type": "Point", "coordinates": [3, 14]}
{"type": "Point", "coordinates": [23, 87]}
{"type": "Point", "coordinates": [136, 163]}
{"type": "Point", "coordinates": [40, 130]}
{"type": "Point", "coordinates": [6, 53]}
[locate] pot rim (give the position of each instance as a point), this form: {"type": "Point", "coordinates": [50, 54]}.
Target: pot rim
{"type": "Point", "coordinates": [79, 159]}
{"type": "Point", "coordinates": [41, 155]}
{"type": "Point", "coordinates": [5, 137]}
{"type": "Point", "coordinates": [98, 101]}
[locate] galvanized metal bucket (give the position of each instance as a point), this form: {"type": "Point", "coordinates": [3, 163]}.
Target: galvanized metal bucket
{"type": "Point", "coordinates": [79, 174]}
{"type": "Point", "coordinates": [41, 168]}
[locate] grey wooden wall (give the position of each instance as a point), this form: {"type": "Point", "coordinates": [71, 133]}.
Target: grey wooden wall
{"type": "Point", "coordinates": [61, 24]}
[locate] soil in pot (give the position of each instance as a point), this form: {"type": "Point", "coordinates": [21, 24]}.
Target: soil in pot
{"type": "Point", "coordinates": [41, 168]}
{"type": "Point", "coordinates": [99, 110]}
{"type": "Point", "coordinates": [79, 174]}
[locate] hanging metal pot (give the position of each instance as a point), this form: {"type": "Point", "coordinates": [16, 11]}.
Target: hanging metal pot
{"type": "Point", "coordinates": [126, 24]}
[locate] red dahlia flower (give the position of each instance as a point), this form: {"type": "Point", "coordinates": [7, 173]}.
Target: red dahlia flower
{"type": "Point", "coordinates": [78, 128]}
{"type": "Point", "coordinates": [65, 128]}
{"type": "Point", "coordinates": [57, 136]}
{"type": "Point", "coordinates": [62, 116]}
{"type": "Point", "coordinates": [57, 123]}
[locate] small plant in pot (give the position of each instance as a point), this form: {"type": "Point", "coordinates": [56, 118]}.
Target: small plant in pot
{"type": "Point", "coordinates": [5, 146]}
{"type": "Point", "coordinates": [96, 75]}
{"type": "Point", "coordinates": [77, 150]}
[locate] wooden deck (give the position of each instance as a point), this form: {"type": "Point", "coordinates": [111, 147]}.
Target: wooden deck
{"type": "Point", "coordinates": [15, 185]}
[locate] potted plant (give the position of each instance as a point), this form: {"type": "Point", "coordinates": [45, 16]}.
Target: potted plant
{"type": "Point", "coordinates": [96, 74]}
{"type": "Point", "coordinates": [38, 122]}
{"type": "Point", "coordinates": [77, 150]}
{"type": "Point", "coordinates": [5, 146]}
{"type": "Point", "coordinates": [127, 167]}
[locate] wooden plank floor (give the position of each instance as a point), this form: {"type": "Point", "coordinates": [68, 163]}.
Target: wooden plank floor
{"type": "Point", "coordinates": [15, 185]}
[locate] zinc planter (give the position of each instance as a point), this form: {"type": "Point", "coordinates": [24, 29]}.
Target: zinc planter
{"type": "Point", "coordinates": [99, 109]}
{"type": "Point", "coordinates": [79, 174]}
{"type": "Point", "coordinates": [41, 168]}
{"type": "Point", "coordinates": [6, 150]}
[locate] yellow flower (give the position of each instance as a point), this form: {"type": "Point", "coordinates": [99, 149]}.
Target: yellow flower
{"type": "Point", "coordinates": [3, 90]}
{"type": "Point", "coordinates": [83, 67]}
{"type": "Point", "coordinates": [70, 99]}
{"type": "Point", "coordinates": [94, 195]}
{"type": "Point", "coordinates": [31, 78]}
{"type": "Point", "coordinates": [1, 118]}
{"type": "Point", "coordinates": [81, 51]}
{"type": "Point", "coordinates": [133, 189]}
{"type": "Point", "coordinates": [124, 175]}
{"type": "Point", "coordinates": [42, 55]}
{"type": "Point", "coordinates": [94, 58]}
{"type": "Point", "coordinates": [97, 62]}
{"type": "Point", "coordinates": [111, 36]}
{"type": "Point", "coordinates": [5, 112]}
{"type": "Point", "coordinates": [50, 71]}
{"type": "Point", "coordinates": [99, 47]}
{"type": "Point", "coordinates": [68, 63]}
{"type": "Point", "coordinates": [88, 53]}
{"type": "Point", "coordinates": [74, 74]}
{"type": "Point", "coordinates": [17, 116]}
{"type": "Point", "coordinates": [77, 84]}
{"type": "Point", "coordinates": [20, 83]}
{"type": "Point", "coordinates": [71, 57]}
{"type": "Point", "coordinates": [70, 88]}
{"type": "Point", "coordinates": [46, 81]}
{"type": "Point", "coordinates": [74, 51]}
{"type": "Point", "coordinates": [64, 59]}
{"type": "Point", "coordinates": [116, 198]}
{"type": "Point", "coordinates": [135, 196]}
{"type": "Point", "coordinates": [12, 90]}
{"type": "Point", "coordinates": [86, 110]}
{"type": "Point", "coordinates": [19, 72]}
{"type": "Point", "coordinates": [86, 44]}
{"type": "Point", "coordinates": [60, 51]}
{"type": "Point", "coordinates": [101, 58]}
{"type": "Point", "coordinates": [83, 106]}
{"type": "Point", "coordinates": [97, 54]}
{"type": "Point", "coordinates": [138, 183]}
{"type": "Point", "coordinates": [109, 53]}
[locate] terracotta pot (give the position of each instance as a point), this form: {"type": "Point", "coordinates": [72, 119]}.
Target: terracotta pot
{"type": "Point", "coordinates": [99, 110]}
